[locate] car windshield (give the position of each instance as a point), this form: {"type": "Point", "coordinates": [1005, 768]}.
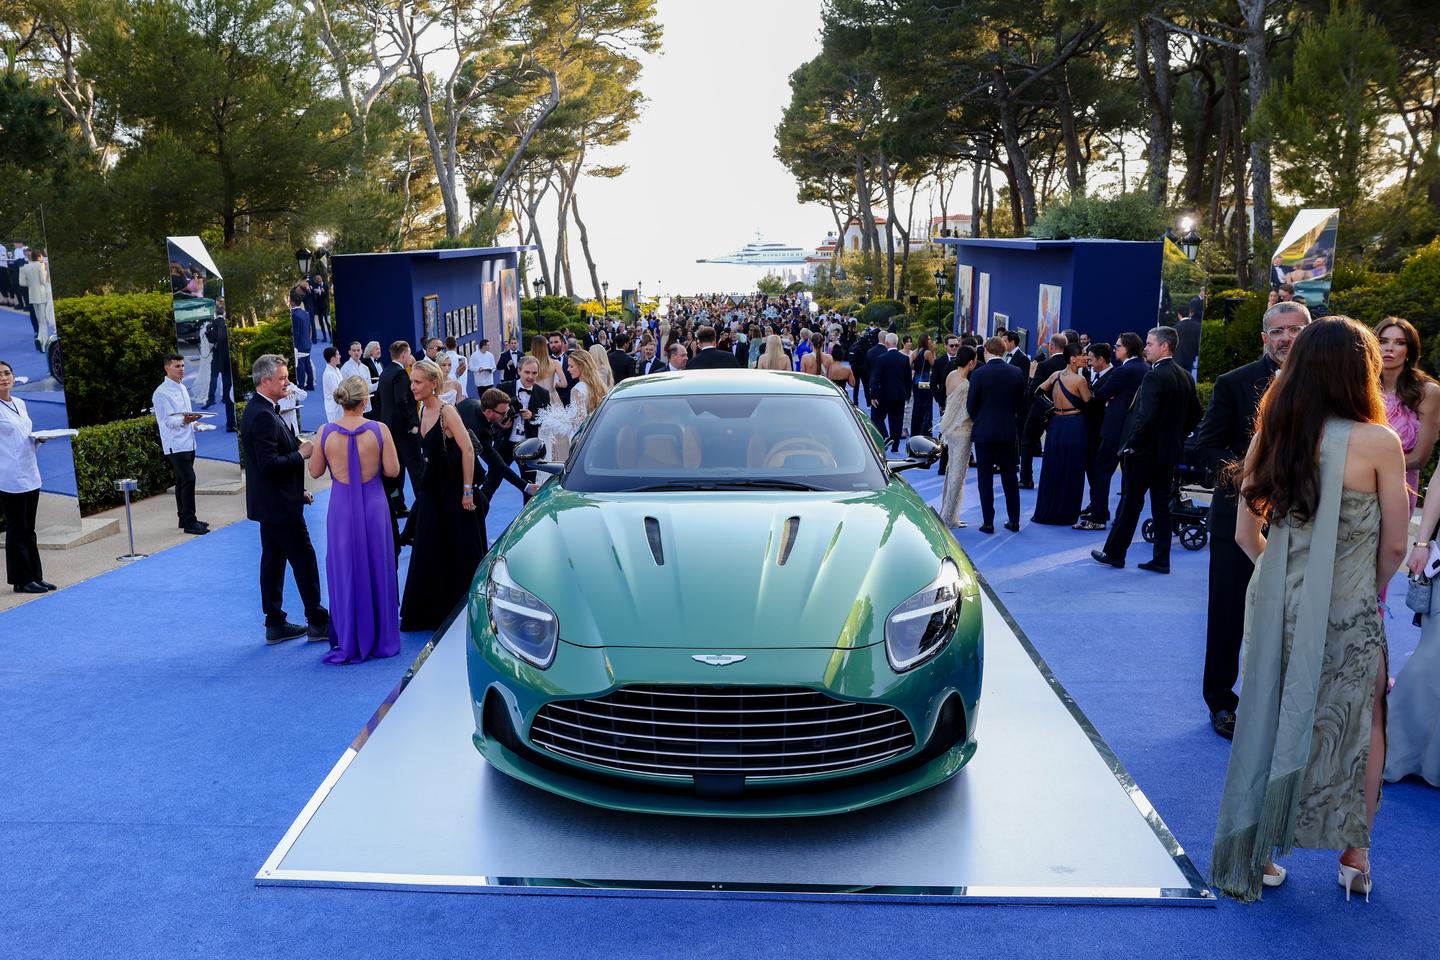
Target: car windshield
{"type": "Point", "coordinates": [723, 442]}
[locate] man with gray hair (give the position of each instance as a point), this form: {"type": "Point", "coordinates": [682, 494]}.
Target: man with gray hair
{"type": "Point", "coordinates": [1164, 412]}
{"type": "Point", "coordinates": [275, 497]}
{"type": "Point", "coordinates": [888, 390]}
{"type": "Point", "coordinates": [1222, 439]}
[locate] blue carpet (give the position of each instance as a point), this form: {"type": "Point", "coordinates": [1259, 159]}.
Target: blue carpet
{"type": "Point", "coordinates": [155, 751]}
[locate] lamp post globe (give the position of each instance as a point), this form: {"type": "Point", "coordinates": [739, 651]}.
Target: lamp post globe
{"type": "Point", "coordinates": [537, 283]}
{"type": "Point", "coordinates": [869, 284]}
{"type": "Point", "coordinates": [940, 284]}
{"type": "Point", "coordinates": [303, 256]}
{"type": "Point", "coordinates": [1190, 244]}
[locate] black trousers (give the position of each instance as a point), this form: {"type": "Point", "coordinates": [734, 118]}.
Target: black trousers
{"type": "Point", "coordinates": [282, 543]}
{"type": "Point", "coordinates": [220, 375]}
{"type": "Point", "coordinates": [184, 466]}
{"type": "Point", "coordinates": [22, 554]}
{"type": "Point", "coordinates": [992, 458]}
{"type": "Point", "coordinates": [889, 419]}
{"type": "Point", "coordinates": [1102, 471]}
{"type": "Point", "coordinates": [1230, 571]}
{"type": "Point", "coordinates": [922, 413]}
{"type": "Point", "coordinates": [1142, 477]}
{"type": "Point", "coordinates": [17, 289]}
{"type": "Point", "coordinates": [493, 478]}
{"type": "Point", "coordinates": [1030, 444]}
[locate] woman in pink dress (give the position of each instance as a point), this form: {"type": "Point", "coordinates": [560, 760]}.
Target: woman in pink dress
{"type": "Point", "coordinates": [1412, 398]}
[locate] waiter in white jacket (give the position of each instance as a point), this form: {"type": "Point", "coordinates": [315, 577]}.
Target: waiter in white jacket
{"type": "Point", "coordinates": [35, 278]}
{"type": "Point", "coordinates": [171, 405]}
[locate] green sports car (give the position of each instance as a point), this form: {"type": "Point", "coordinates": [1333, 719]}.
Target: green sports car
{"type": "Point", "coordinates": [726, 603]}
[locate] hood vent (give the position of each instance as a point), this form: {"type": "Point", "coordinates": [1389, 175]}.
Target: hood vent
{"type": "Point", "coordinates": [652, 534]}
{"type": "Point", "coordinates": [787, 538]}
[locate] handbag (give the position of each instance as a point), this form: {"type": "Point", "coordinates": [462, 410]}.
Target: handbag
{"type": "Point", "coordinates": [1417, 596]}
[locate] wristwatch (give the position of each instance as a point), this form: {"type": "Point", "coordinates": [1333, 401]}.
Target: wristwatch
{"type": "Point", "coordinates": [1421, 543]}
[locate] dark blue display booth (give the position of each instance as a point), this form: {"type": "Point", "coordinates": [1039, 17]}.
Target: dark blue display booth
{"type": "Point", "coordinates": [467, 293]}
{"type": "Point", "coordinates": [1103, 287]}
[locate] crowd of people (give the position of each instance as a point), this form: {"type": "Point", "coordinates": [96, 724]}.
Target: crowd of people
{"type": "Point", "coordinates": [25, 285]}
{"type": "Point", "coordinates": [1313, 450]}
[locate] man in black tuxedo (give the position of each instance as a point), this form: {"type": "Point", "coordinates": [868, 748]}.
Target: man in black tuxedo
{"type": "Point", "coordinates": [889, 389]}
{"type": "Point", "coordinates": [1114, 394]}
{"type": "Point", "coordinates": [1221, 441]}
{"type": "Point", "coordinates": [527, 398]}
{"type": "Point", "coordinates": [622, 365]}
{"type": "Point", "coordinates": [649, 362]}
{"type": "Point", "coordinates": [1188, 329]}
{"type": "Point", "coordinates": [997, 390]}
{"type": "Point", "coordinates": [1035, 415]}
{"type": "Point", "coordinates": [709, 356]}
{"type": "Point", "coordinates": [867, 367]}
{"type": "Point", "coordinates": [275, 497]}
{"type": "Point", "coordinates": [561, 355]}
{"type": "Point", "coordinates": [400, 412]}
{"type": "Point", "coordinates": [1165, 410]}
{"type": "Point", "coordinates": [507, 365]}
{"type": "Point", "coordinates": [487, 420]}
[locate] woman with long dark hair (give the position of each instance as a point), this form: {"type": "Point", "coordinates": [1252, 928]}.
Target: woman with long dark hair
{"type": "Point", "coordinates": [1412, 398]}
{"type": "Point", "coordinates": [1327, 474]}
{"type": "Point", "coordinates": [922, 393]}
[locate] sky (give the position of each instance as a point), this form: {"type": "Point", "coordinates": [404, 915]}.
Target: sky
{"type": "Point", "coordinates": [702, 176]}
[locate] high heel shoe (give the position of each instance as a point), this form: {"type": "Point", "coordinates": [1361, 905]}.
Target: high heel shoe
{"type": "Point", "coordinates": [1353, 878]}
{"type": "Point", "coordinates": [1273, 879]}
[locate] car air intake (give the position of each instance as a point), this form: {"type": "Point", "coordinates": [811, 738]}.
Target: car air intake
{"type": "Point", "coordinates": [787, 538]}
{"type": "Point", "coordinates": [704, 731]}
{"type": "Point", "coordinates": [652, 534]}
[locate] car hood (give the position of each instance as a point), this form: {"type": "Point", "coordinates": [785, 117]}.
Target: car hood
{"type": "Point", "coordinates": [720, 583]}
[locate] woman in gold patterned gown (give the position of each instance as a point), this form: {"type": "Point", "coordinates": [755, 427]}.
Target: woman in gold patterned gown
{"type": "Point", "coordinates": [955, 431]}
{"type": "Point", "coordinates": [1328, 476]}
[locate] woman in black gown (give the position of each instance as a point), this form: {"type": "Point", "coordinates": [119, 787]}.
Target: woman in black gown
{"type": "Point", "coordinates": [444, 527]}
{"type": "Point", "coordinates": [1062, 473]}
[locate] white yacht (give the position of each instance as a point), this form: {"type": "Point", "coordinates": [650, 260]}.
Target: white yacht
{"type": "Point", "coordinates": [759, 253]}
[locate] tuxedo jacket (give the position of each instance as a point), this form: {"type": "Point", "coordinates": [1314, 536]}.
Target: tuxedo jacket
{"type": "Point", "coordinates": [1115, 393]}
{"type": "Point", "coordinates": [995, 399]}
{"type": "Point", "coordinates": [1019, 361]}
{"type": "Point", "coordinates": [622, 365]}
{"type": "Point", "coordinates": [712, 358]}
{"type": "Point", "coordinates": [539, 398]}
{"type": "Point", "coordinates": [274, 469]}
{"type": "Point", "coordinates": [646, 367]}
{"type": "Point", "coordinates": [1166, 409]}
{"type": "Point", "coordinates": [507, 365]}
{"type": "Point", "coordinates": [397, 406]}
{"type": "Point", "coordinates": [1224, 434]}
{"type": "Point", "coordinates": [890, 379]}
{"type": "Point", "coordinates": [484, 433]}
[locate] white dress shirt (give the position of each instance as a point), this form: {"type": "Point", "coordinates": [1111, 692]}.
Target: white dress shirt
{"type": "Point", "coordinates": [19, 470]}
{"type": "Point", "coordinates": [330, 381]}
{"type": "Point", "coordinates": [289, 406]}
{"type": "Point", "coordinates": [357, 368]}
{"type": "Point", "coordinates": [170, 402]}
{"type": "Point", "coordinates": [482, 365]}
{"type": "Point", "coordinates": [522, 402]}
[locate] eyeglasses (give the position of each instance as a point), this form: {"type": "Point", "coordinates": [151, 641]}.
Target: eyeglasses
{"type": "Point", "coordinates": [1292, 331]}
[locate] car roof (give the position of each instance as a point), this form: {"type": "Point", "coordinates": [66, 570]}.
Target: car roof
{"type": "Point", "coordinates": [734, 381]}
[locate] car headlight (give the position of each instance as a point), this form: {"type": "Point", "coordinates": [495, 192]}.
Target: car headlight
{"type": "Point", "coordinates": [524, 624]}
{"type": "Point", "coordinates": [917, 629]}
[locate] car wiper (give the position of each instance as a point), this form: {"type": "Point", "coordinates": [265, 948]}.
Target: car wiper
{"type": "Point", "coordinates": [738, 484]}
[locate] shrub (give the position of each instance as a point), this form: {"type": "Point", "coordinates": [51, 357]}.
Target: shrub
{"type": "Point", "coordinates": [1205, 389]}
{"type": "Point", "coordinates": [108, 452]}
{"type": "Point", "coordinates": [1227, 344]}
{"type": "Point", "coordinates": [937, 316]}
{"type": "Point", "coordinates": [560, 304]}
{"type": "Point", "coordinates": [877, 312]}
{"type": "Point", "coordinates": [115, 347]}
{"type": "Point", "coordinates": [1126, 216]}
{"type": "Point", "coordinates": [271, 336]}
{"type": "Point", "coordinates": [1412, 293]}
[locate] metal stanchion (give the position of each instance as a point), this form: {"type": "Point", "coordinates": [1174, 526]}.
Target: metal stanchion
{"type": "Point", "coordinates": [126, 487]}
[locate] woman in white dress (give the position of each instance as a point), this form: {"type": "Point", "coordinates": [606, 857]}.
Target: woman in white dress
{"type": "Point", "coordinates": [558, 423]}
{"type": "Point", "coordinates": [450, 390]}
{"type": "Point", "coordinates": [602, 364]}
{"type": "Point", "coordinates": [955, 431]}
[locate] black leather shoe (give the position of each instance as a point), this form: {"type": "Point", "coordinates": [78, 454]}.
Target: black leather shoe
{"type": "Point", "coordinates": [987, 528]}
{"type": "Point", "coordinates": [1223, 722]}
{"type": "Point", "coordinates": [195, 529]}
{"type": "Point", "coordinates": [286, 631]}
{"type": "Point", "coordinates": [1100, 556]}
{"type": "Point", "coordinates": [1154, 567]}
{"type": "Point", "coordinates": [1027, 484]}
{"type": "Point", "coordinates": [46, 584]}
{"type": "Point", "coordinates": [1013, 526]}
{"type": "Point", "coordinates": [31, 587]}
{"type": "Point", "coordinates": [317, 631]}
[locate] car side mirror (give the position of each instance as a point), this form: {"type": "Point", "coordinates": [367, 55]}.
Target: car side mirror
{"type": "Point", "coordinates": [531, 449]}
{"type": "Point", "coordinates": [922, 451]}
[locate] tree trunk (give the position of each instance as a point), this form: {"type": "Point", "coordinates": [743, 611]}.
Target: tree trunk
{"type": "Point", "coordinates": [1236, 138]}
{"type": "Point", "coordinates": [867, 213]}
{"type": "Point", "coordinates": [1152, 62]}
{"type": "Point", "coordinates": [1198, 161]}
{"type": "Point", "coordinates": [887, 181]}
{"type": "Point", "coordinates": [1257, 57]}
{"type": "Point", "coordinates": [585, 245]}
{"type": "Point", "coordinates": [905, 239]}
{"type": "Point", "coordinates": [1017, 168]}
{"type": "Point", "coordinates": [1074, 176]}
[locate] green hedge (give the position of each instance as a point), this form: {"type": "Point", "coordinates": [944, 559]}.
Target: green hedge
{"type": "Point", "coordinates": [115, 347]}
{"type": "Point", "coordinates": [1412, 293]}
{"type": "Point", "coordinates": [877, 312]}
{"type": "Point", "coordinates": [1205, 388]}
{"type": "Point", "coordinates": [1225, 345]}
{"type": "Point", "coordinates": [107, 452]}
{"type": "Point", "coordinates": [270, 336]}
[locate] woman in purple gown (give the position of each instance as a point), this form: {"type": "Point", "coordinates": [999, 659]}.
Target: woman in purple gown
{"type": "Point", "coordinates": [360, 546]}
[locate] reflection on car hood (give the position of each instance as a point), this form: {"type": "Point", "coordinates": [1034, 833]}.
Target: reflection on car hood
{"type": "Point", "coordinates": [854, 557]}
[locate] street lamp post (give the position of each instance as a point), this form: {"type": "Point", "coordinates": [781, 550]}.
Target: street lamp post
{"type": "Point", "coordinates": [605, 296]}
{"type": "Point", "coordinates": [940, 285]}
{"type": "Point", "coordinates": [303, 258]}
{"type": "Point", "coordinates": [538, 284]}
{"type": "Point", "coordinates": [1190, 242]}
{"type": "Point", "coordinates": [869, 283]}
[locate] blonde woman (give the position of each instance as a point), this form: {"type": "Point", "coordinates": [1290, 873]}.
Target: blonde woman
{"type": "Point", "coordinates": [443, 527]}
{"type": "Point", "coordinates": [602, 364]}
{"type": "Point", "coordinates": [774, 357]}
{"type": "Point", "coordinates": [451, 391]}
{"type": "Point", "coordinates": [590, 387]}
{"type": "Point", "coordinates": [551, 376]}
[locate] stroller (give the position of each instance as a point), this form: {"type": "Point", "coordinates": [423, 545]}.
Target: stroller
{"type": "Point", "coordinates": [1189, 519]}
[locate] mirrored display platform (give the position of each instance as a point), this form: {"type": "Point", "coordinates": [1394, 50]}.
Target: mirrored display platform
{"type": "Point", "coordinates": [1044, 812]}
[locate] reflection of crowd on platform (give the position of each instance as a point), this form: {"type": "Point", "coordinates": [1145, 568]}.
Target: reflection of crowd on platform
{"type": "Point", "coordinates": [25, 285]}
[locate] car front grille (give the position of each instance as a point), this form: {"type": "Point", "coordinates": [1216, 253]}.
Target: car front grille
{"type": "Point", "coordinates": [718, 731]}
